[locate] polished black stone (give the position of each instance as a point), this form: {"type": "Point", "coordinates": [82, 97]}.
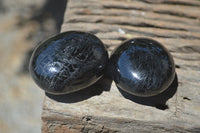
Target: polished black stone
{"type": "Point", "coordinates": [68, 62]}
{"type": "Point", "coordinates": [142, 67]}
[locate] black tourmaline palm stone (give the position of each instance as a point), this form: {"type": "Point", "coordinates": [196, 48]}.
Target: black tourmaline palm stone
{"type": "Point", "coordinates": [142, 67]}
{"type": "Point", "coordinates": [68, 62]}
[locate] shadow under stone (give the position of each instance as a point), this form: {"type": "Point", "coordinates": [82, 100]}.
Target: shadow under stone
{"type": "Point", "coordinates": [101, 85]}
{"type": "Point", "coordinates": [158, 101]}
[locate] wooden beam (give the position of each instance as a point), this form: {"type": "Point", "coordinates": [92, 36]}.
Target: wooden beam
{"type": "Point", "coordinates": [102, 107]}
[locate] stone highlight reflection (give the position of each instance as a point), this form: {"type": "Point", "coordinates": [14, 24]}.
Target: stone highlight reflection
{"type": "Point", "coordinates": [142, 67]}
{"type": "Point", "coordinates": [68, 62]}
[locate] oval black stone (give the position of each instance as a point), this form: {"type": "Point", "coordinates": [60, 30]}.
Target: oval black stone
{"type": "Point", "coordinates": [142, 67]}
{"type": "Point", "coordinates": [68, 62]}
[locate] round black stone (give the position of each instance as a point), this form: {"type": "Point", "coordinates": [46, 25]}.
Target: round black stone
{"type": "Point", "coordinates": [68, 62]}
{"type": "Point", "coordinates": [142, 67]}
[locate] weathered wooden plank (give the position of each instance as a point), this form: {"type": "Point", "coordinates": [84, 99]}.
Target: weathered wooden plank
{"type": "Point", "coordinates": [103, 108]}
{"type": "Point", "coordinates": [175, 10]}
{"type": "Point", "coordinates": [136, 21]}
{"type": "Point", "coordinates": [133, 30]}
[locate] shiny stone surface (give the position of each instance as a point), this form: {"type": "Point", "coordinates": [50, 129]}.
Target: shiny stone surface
{"type": "Point", "coordinates": [68, 62]}
{"type": "Point", "coordinates": [142, 67]}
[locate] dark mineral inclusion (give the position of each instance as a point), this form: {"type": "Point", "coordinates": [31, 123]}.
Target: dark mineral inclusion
{"type": "Point", "coordinates": [68, 62]}
{"type": "Point", "coordinates": [142, 67]}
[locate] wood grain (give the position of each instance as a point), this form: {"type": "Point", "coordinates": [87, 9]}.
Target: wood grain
{"type": "Point", "coordinates": [175, 24]}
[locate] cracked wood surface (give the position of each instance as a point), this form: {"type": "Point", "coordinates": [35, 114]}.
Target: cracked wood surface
{"type": "Point", "coordinates": [175, 24]}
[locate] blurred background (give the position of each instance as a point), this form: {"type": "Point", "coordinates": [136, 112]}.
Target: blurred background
{"type": "Point", "coordinates": [23, 24]}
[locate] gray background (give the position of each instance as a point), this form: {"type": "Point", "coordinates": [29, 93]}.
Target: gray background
{"type": "Point", "coordinates": [23, 23]}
